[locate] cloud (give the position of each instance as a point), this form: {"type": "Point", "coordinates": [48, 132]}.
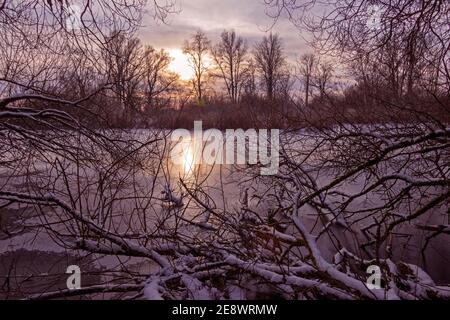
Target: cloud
{"type": "Point", "coordinates": [248, 18]}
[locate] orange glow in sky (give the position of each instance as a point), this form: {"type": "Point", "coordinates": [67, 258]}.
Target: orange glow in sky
{"type": "Point", "coordinates": [180, 64]}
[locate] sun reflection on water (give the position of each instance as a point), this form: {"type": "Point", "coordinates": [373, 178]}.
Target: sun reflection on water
{"type": "Point", "coordinates": [188, 160]}
{"type": "Point", "coordinates": [183, 158]}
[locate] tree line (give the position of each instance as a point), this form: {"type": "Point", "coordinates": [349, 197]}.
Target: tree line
{"type": "Point", "coordinates": [126, 82]}
{"type": "Point", "coordinates": [239, 68]}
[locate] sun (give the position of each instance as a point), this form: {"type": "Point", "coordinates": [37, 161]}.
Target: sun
{"type": "Point", "coordinates": [180, 64]}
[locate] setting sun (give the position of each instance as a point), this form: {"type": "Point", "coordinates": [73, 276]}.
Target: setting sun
{"type": "Point", "coordinates": [180, 64]}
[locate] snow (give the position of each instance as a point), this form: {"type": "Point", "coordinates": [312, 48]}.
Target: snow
{"type": "Point", "coordinates": [152, 290]}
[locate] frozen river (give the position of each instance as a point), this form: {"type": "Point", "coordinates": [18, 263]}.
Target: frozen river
{"type": "Point", "coordinates": [224, 184]}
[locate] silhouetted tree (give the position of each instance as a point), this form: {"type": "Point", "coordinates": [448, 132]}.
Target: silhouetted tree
{"type": "Point", "coordinates": [230, 56]}
{"type": "Point", "coordinates": [125, 63]}
{"type": "Point", "coordinates": [158, 80]}
{"type": "Point", "coordinates": [197, 49]}
{"type": "Point", "coordinates": [270, 62]}
{"type": "Point", "coordinates": [307, 64]}
{"type": "Point", "coordinates": [322, 77]}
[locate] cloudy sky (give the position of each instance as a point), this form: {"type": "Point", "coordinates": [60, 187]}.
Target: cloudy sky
{"type": "Point", "coordinates": [247, 17]}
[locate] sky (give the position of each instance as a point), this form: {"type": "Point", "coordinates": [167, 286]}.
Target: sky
{"type": "Point", "coordinates": [247, 17]}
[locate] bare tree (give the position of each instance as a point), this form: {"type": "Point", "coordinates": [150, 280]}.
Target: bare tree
{"type": "Point", "coordinates": [124, 60]}
{"type": "Point", "coordinates": [315, 73]}
{"type": "Point", "coordinates": [197, 50]}
{"type": "Point", "coordinates": [230, 56]}
{"type": "Point", "coordinates": [249, 84]}
{"type": "Point", "coordinates": [270, 62]}
{"type": "Point", "coordinates": [158, 79]}
{"type": "Point", "coordinates": [323, 76]}
{"type": "Point", "coordinates": [307, 67]}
